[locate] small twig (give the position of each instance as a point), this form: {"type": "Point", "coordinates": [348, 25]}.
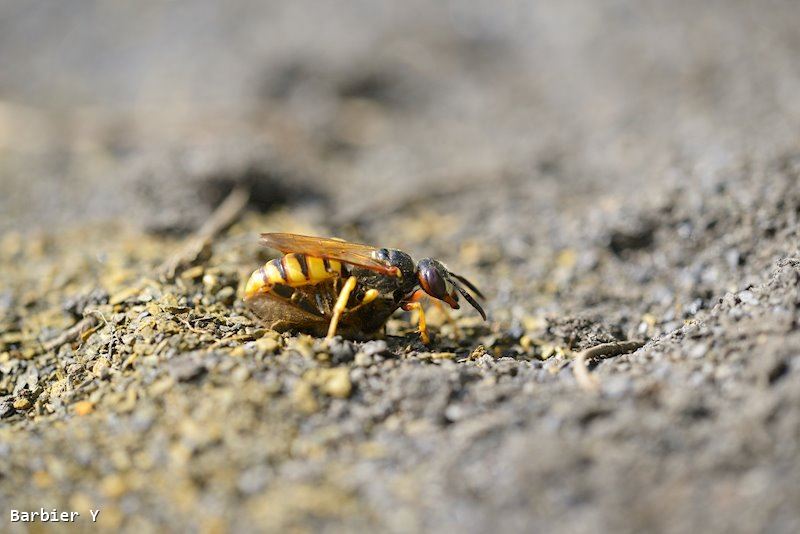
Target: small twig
{"type": "Point", "coordinates": [236, 337]}
{"type": "Point", "coordinates": [580, 368]}
{"type": "Point", "coordinates": [72, 333]}
{"type": "Point", "coordinates": [188, 325]}
{"type": "Point", "coordinates": [98, 313]}
{"type": "Point", "coordinates": [225, 215]}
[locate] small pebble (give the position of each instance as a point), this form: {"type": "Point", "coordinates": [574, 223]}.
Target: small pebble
{"type": "Point", "coordinates": [341, 350]}
{"type": "Point", "coordinates": [303, 397]}
{"type": "Point", "coordinates": [267, 344]}
{"type": "Point", "coordinates": [334, 382]}
{"type": "Point", "coordinates": [186, 368]}
{"type": "Point", "coordinates": [374, 347]}
{"type": "Point", "coordinates": [240, 374]}
{"type": "Point", "coordinates": [101, 368]}
{"type": "Point", "coordinates": [211, 283]}
{"type": "Point", "coordinates": [698, 351]}
{"type": "Point", "coordinates": [6, 410]}
{"type": "Point", "coordinates": [84, 407]}
{"type": "Point", "coordinates": [226, 295]}
{"type": "Point", "coordinates": [747, 297]}
{"type": "Point", "coordinates": [22, 403]}
{"type": "Point", "coordinates": [362, 359]}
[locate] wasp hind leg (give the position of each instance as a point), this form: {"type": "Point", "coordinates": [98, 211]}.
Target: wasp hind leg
{"type": "Point", "coordinates": [340, 306]}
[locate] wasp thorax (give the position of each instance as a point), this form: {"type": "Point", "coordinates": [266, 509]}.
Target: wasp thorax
{"type": "Point", "coordinates": [395, 258]}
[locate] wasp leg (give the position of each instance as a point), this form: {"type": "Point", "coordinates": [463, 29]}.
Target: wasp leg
{"type": "Point", "coordinates": [420, 295]}
{"type": "Point", "coordinates": [369, 296]}
{"type": "Point", "coordinates": [341, 304]}
{"type": "Point", "coordinates": [423, 327]}
{"type": "Point", "coordinates": [413, 303]}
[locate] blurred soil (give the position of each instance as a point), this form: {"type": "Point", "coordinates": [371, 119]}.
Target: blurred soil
{"type": "Point", "coordinates": [629, 171]}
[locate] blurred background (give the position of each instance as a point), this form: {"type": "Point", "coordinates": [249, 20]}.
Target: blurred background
{"type": "Point", "coordinates": [624, 169]}
{"type": "Point", "coordinates": [99, 98]}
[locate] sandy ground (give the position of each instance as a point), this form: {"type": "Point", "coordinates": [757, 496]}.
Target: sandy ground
{"type": "Point", "coordinates": [629, 171]}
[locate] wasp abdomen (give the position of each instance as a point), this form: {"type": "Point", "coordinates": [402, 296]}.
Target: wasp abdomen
{"type": "Point", "coordinates": [293, 270]}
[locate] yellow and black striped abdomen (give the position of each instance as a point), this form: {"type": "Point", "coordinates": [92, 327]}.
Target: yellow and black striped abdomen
{"type": "Point", "coordinates": [293, 270]}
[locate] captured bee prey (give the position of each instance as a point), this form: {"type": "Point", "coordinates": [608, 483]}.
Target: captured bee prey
{"type": "Point", "coordinates": [329, 286]}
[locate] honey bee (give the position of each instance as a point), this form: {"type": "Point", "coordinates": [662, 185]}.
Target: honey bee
{"type": "Point", "coordinates": [329, 286]}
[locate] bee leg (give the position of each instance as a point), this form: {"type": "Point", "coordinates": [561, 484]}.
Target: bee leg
{"type": "Point", "coordinates": [341, 304]}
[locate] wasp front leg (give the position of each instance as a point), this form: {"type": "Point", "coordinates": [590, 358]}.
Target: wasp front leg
{"type": "Point", "coordinates": [414, 304]}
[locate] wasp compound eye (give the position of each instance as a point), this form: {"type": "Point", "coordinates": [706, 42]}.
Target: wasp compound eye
{"type": "Point", "coordinates": [431, 279]}
{"type": "Point", "coordinates": [435, 282]}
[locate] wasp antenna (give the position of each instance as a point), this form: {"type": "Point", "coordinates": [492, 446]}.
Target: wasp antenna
{"type": "Point", "coordinates": [468, 284]}
{"type": "Point", "coordinates": [470, 300]}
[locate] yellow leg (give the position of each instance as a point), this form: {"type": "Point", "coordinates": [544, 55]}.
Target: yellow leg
{"type": "Point", "coordinates": [341, 304]}
{"type": "Point", "coordinates": [423, 327]}
{"type": "Point", "coordinates": [369, 296]}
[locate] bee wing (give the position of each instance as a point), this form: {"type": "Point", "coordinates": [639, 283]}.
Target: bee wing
{"type": "Point", "coordinates": [332, 249]}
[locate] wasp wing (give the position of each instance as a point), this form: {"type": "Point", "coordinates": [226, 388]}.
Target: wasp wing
{"type": "Point", "coordinates": [332, 249]}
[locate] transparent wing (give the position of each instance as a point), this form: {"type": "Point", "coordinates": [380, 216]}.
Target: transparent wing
{"type": "Point", "coordinates": [332, 249]}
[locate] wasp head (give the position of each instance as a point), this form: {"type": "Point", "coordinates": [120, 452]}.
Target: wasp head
{"type": "Point", "coordinates": [439, 283]}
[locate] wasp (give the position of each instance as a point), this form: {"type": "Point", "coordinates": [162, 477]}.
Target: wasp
{"type": "Point", "coordinates": [325, 286]}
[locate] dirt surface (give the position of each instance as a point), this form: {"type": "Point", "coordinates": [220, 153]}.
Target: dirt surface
{"type": "Point", "coordinates": [624, 172]}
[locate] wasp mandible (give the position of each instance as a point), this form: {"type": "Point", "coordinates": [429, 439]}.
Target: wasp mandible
{"type": "Point", "coordinates": [329, 286]}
